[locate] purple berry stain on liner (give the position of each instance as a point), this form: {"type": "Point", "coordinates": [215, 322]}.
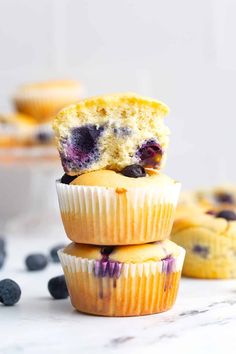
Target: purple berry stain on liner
{"type": "Point", "coordinates": [106, 268]}
{"type": "Point", "coordinates": [149, 154]}
{"type": "Point", "coordinates": [168, 265]}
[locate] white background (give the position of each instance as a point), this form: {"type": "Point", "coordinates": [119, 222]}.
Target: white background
{"type": "Point", "coordinates": [182, 52]}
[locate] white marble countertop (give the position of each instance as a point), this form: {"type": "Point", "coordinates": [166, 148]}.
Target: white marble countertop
{"type": "Point", "coordinates": [203, 319]}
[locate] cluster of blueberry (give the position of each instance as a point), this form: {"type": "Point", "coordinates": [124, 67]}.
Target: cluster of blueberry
{"type": "Point", "coordinates": [10, 291]}
{"type": "Point", "coordinates": [81, 148]}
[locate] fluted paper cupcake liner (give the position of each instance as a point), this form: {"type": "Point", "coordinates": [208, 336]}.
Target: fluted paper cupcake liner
{"type": "Point", "coordinates": [136, 289]}
{"type": "Point", "coordinates": [107, 216]}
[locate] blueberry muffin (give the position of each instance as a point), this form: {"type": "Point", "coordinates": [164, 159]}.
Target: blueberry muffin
{"type": "Point", "coordinates": [105, 207]}
{"type": "Point", "coordinates": [217, 198]}
{"type": "Point", "coordinates": [44, 99]}
{"type": "Point", "coordinates": [123, 280]}
{"type": "Point", "coordinates": [111, 132]}
{"type": "Point", "coordinates": [209, 238]}
{"type": "Point", "coordinates": [20, 130]}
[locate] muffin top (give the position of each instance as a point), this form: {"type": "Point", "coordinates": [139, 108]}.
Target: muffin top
{"type": "Point", "coordinates": [108, 178]}
{"type": "Point", "coordinates": [155, 252]}
{"type": "Point", "coordinates": [111, 132]}
{"type": "Point", "coordinates": [218, 197]}
{"type": "Point", "coordinates": [57, 87]}
{"type": "Point", "coordinates": [221, 222]}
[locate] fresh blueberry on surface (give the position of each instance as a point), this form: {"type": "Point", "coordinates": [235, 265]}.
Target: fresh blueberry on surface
{"type": "Point", "coordinates": [85, 138]}
{"type": "Point", "coordinates": [134, 171]}
{"type": "Point", "coordinates": [66, 179]}
{"type": "Point", "coordinates": [150, 154]}
{"type": "Point", "coordinates": [2, 244]}
{"type": "Point", "coordinates": [53, 253]}
{"type": "Point", "coordinates": [57, 287]}
{"type": "Point", "coordinates": [229, 215]}
{"type": "Point", "coordinates": [10, 292]}
{"type": "Point", "coordinates": [224, 198]}
{"type": "Point", "coordinates": [2, 259]}
{"type": "Point", "coordinates": [36, 261]}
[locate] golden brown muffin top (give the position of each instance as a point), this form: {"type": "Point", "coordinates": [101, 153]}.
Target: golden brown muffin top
{"type": "Point", "coordinates": [109, 178]}
{"type": "Point", "coordinates": [155, 252]}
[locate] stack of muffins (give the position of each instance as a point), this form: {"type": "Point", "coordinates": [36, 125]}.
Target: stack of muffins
{"type": "Point", "coordinates": [117, 207]}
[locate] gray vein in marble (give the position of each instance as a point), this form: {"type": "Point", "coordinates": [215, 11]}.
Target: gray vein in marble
{"type": "Point", "coordinates": [120, 340]}
{"type": "Point", "coordinates": [192, 312]}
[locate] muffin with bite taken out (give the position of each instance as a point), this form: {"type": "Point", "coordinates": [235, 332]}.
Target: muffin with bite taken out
{"type": "Point", "coordinates": [117, 206]}
{"type": "Point", "coordinates": [112, 132]}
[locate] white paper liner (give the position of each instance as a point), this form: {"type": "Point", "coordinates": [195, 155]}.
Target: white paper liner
{"type": "Point", "coordinates": [140, 289]}
{"type": "Point", "coordinates": [76, 264]}
{"type": "Point", "coordinates": [99, 215]}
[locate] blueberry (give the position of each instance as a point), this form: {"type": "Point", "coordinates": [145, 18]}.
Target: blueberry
{"type": "Point", "coordinates": [66, 179]}
{"type": "Point", "coordinates": [224, 198]}
{"type": "Point", "coordinates": [134, 171]}
{"type": "Point", "coordinates": [10, 292]}
{"type": "Point", "coordinates": [149, 154]}
{"type": "Point", "coordinates": [44, 137]}
{"type": "Point", "coordinates": [2, 259]}
{"type": "Point", "coordinates": [107, 250]}
{"type": "Point", "coordinates": [203, 251]}
{"type": "Point", "coordinates": [81, 149]}
{"type": "Point", "coordinates": [85, 138]}
{"type": "Point", "coordinates": [227, 215]}
{"type": "Point", "coordinates": [36, 261]}
{"type": "Point", "coordinates": [57, 287]}
{"type": "Point", "coordinates": [2, 244]}
{"type": "Point", "coordinates": [53, 253]}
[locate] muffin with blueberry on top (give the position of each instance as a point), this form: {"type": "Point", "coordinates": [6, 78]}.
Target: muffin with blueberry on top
{"type": "Point", "coordinates": [209, 238]}
{"type": "Point", "coordinates": [21, 130]}
{"type": "Point", "coordinates": [112, 149]}
{"type": "Point", "coordinates": [123, 280]}
{"type": "Point", "coordinates": [217, 198]}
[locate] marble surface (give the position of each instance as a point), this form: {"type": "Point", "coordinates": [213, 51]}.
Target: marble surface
{"type": "Point", "coordinates": [203, 319]}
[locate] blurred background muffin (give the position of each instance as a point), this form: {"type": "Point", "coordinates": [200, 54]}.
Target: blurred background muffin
{"type": "Point", "coordinates": [44, 99]}
{"type": "Point", "coordinates": [21, 130]}
{"type": "Point", "coordinates": [209, 238]}
{"type": "Point", "coordinates": [215, 197]}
